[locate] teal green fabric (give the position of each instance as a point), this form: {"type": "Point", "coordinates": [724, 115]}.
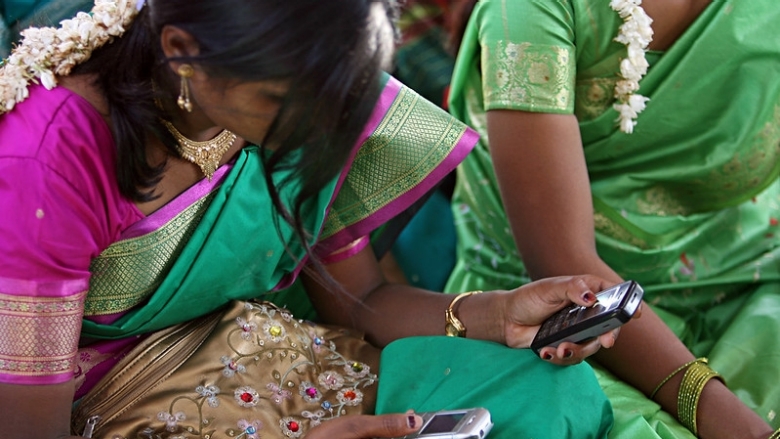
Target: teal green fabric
{"type": "Point", "coordinates": [215, 260]}
{"type": "Point", "coordinates": [527, 397]}
{"type": "Point", "coordinates": [687, 205]}
{"type": "Point", "coordinates": [425, 250]}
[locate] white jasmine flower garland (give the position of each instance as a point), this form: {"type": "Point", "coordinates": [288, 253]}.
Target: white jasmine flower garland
{"type": "Point", "coordinates": [46, 53]}
{"type": "Point", "coordinates": [636, 34]}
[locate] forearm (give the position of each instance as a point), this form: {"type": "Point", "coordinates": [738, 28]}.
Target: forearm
{"type": "Point", "coordinates": [422, 313]}
{"type": "Point", "coordinates": [647, 351]}
{"type": "Point", "coordinates": [36, 412]}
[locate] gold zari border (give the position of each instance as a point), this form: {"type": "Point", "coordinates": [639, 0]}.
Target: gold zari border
{"type": "Point", "coordinates": [128, 271]}
{"type": "Point", "coordinates": [39, 336]}
{"type": "Point", "coordinates": [391, 162]}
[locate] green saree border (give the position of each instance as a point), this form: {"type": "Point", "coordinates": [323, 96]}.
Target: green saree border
{"type": "Point", "coordinates": [129, 271]}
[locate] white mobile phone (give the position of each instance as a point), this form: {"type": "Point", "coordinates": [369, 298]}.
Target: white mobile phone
{"type": "Point", "coordinates": [472, 423]}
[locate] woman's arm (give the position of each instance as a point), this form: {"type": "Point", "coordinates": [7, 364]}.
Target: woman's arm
{"type": "Point", "coordinates": [541, 171]}
{"type": "Point", "coordinates": [36, 412]}
{"type": "Point", "coordinates": [386, 312]}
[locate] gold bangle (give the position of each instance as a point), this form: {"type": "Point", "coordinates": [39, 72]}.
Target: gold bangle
{"type": "Point", "coordinates": [453, 327]}
{"type": "Point", "coordinates": [693, 382]}
{"type": "Point", "coordinates": [676, 371]}
{"type": "Point", "coordinates": [775, 435]}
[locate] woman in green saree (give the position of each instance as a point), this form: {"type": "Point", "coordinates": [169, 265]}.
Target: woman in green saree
{"type": "Point", "coordinates": [584, 175]}
{"type": "Point", "coordinates": [196, 153]}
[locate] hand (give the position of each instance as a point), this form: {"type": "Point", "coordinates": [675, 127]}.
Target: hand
{"type": "Point", "coordinates": [367, 427]}
{"type": "Point", "coordinates": [528, 306]}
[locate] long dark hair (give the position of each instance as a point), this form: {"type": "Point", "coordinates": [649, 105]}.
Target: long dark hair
{"type": "Point", "coordinates": [329, 54]}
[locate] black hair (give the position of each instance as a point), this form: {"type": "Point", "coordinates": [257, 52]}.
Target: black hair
{"type": "Point", "coordinates": [329, 54]}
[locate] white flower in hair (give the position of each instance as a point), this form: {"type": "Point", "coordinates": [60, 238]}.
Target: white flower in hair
{"type": "Point", "coordinates": [46, 53]}
{"type": "Point", "coordinates": [636, 33]}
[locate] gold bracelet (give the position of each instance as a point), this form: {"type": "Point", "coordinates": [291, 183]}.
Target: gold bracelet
{"type": "Point", "coordinates": [676, 371]}
{"type": "Point", "coordinates": [693, 382]}
{"type": "Point", "coordinates": [775, 435]}
{"type": "Point", "coordinates": [453, 327]}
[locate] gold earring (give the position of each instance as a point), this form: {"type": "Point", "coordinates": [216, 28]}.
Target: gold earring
{"type": "Point", "coordinates": [185, 72]}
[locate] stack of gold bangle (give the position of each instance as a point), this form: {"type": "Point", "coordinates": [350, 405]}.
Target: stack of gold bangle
{"type": "Point", "coordinates": [697, 374]}
{"type": "Point", "coordinates": [693, 383]}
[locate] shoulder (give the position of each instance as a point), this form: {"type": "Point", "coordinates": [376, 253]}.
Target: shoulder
{"type": "Point", "coordinates": [59, 130]}
{"type": "Point", "coordinates": [57, 159]}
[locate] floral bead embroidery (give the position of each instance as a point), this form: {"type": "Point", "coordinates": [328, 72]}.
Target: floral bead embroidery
{"type": "Point", "coordinates": [246, 396]}
{"type": "Point", "coordinates": [350, 397]}
{"type": "Point", "coordinates": [231, 367]}
{"type": "Point", "coordinates": [290, 427]}
{"type": "Point", "coordinates": [278, 394]}
{"type": "Point", "coordinates": [250, 430]}
{"type": "Point", "coordinates": [357, 369]}
{"type": "Point", "coordinates": [247, 328]}
{"type": "Point", "coordinates": [331, 380]}
{"type": "Point", "coordinates": [171, 420]}
{"type": "Point", "coordinates": [309, 392]}
{"type": "Point", "coordinates": [274, 331]}
{"type": "Point", "coordinates": [210, 393]}
{"type": "Point", "coordinates": [315, 418]}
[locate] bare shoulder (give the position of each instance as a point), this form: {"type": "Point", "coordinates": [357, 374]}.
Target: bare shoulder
{"type": "Point", "coordinates": [84, 86]}
{"type": "Point", "coordinates": [671, 18]}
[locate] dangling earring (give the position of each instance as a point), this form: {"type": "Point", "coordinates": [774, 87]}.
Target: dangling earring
{"type": "Point", "coordinates": [185, 72]}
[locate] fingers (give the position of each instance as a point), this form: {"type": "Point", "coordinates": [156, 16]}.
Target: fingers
{"type": "Point", "coordinates": [567, 354]}
{"type": "Point", "coordinates": [582, 290]}
{"type": "Point", "coordinates": [367, 427]}
{"type": "Point", "coordinates": [570, 353]}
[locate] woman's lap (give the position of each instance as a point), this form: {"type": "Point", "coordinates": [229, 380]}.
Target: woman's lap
{"type": "Point", "coordinates": [526, 396]}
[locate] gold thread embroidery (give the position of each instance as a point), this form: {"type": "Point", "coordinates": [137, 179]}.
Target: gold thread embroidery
{"type": "Point", "coordinates": [388, 164]}
{"type": "Point", "coordinates": [39, 335]}
{"type": "Point", "coordinates": [594, 97]}
{"type": "Point", "coordinates": [613, 230]}
{"type": "Point", "coordinates": [86, 359]}
{"type": "Point", "coordinates": [525, 76]}
{"type": "Point", "coordinates": [747, 170]}
{"type": "Point", "coordinates": [128, 271]}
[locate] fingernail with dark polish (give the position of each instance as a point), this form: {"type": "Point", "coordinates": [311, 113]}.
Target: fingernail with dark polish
{"type": "Point", "coordinates": [589, 297]}
{"type": "Point", "coordinates": [411, 421]}
{"type": "Point", "coordinates": [547, 356]}
{"type": "Point", "coordinates": [568, 353]}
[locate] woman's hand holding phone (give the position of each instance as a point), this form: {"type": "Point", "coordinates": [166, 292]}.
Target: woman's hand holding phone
{"type": "Point", "coordinates": [527, 307]}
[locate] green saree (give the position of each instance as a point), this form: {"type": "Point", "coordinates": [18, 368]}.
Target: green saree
{"type": "Point", "coordinates": [687, 205]}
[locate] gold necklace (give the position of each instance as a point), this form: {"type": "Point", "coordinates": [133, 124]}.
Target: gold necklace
{"type": "Point", "coordinates": [204, 154]}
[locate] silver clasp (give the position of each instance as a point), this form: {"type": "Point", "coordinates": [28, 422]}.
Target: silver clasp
{"type": "Point", "coordinates": [90, 427]}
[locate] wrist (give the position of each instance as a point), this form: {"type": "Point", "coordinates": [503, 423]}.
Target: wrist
{"type": "Point", "coordinates": [483, 316]}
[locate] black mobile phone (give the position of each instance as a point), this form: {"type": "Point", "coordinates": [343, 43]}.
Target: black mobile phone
{"type": "Point", "coordinates": [473, 423]}
{"type": "Point", "coordinates": [614, 307]}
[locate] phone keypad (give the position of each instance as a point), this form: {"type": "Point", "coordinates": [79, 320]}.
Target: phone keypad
{"type": "Point", "coordinates": [558, 322]}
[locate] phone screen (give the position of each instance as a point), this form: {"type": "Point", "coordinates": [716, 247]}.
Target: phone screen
{"type": "Point", "coordinates": [442, 423]}
{"type": "Point", "coordinates": [606, 301]}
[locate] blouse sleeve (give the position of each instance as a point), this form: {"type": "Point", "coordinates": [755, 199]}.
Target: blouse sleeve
{"type": "Point", "coordinates": [56, 218]}
{"type": "Point", "coordinates": [528, 56]}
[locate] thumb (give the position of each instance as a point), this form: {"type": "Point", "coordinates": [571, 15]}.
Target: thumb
{"type": "Point", "coordinates": [367, 427]}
